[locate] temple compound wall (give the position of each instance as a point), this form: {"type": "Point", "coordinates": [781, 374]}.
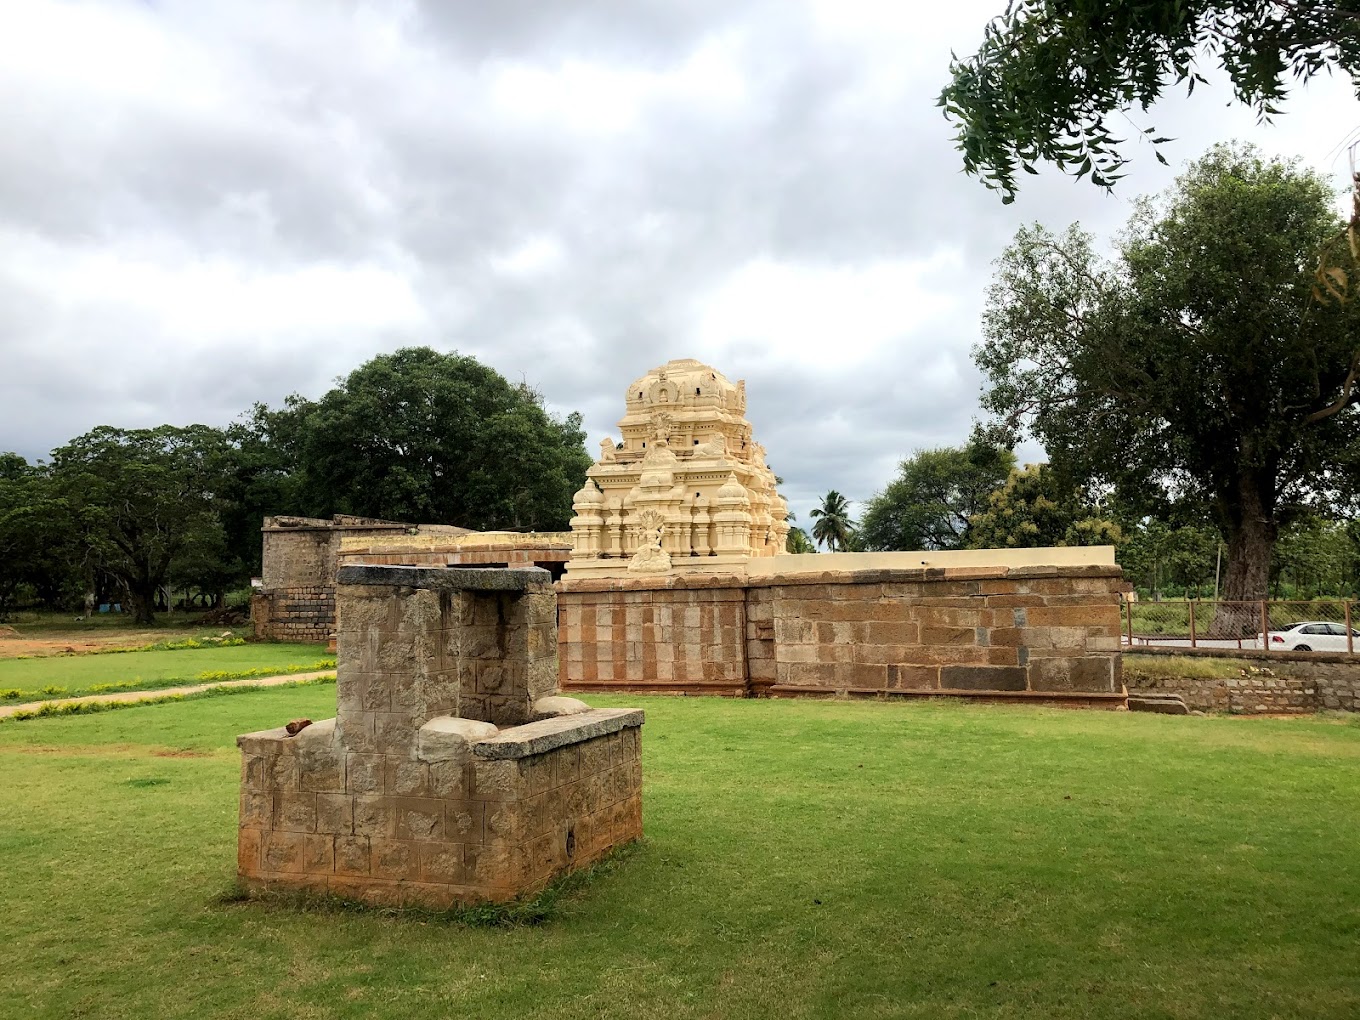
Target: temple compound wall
{"type": "Point", "coordinates": [296, 598]}
{"type": "Point", "coordinates": [679, 582]}
{"type": "Point", "coordinates": [452, 773]}
{"type": "Point", "coordinates": [1039, 632]}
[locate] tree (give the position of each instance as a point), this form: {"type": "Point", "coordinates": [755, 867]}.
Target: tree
{"type": "Point", "coordinates": [798, 542]}
{"type": "Point", "coordinates": [34, 536]}
{"type": "Point", "coordinates": [1050, 73]}
{"type": "Point", "coordinates": [434, 438]}
{"type": "Point", "coordinates": [1157, 554]}
{"type": "Point", "coordinates": [833, 525]}
{"type": "Point", "coordinates": [928, 505]}
{"type": "Point", "coordinates": [1313, 556]}
{"type": "Point", "coordinates": [1195, 365]}
{"type": "Point", "coordinates": [1037, 507]}
{"type": "Point", "coordinates": [140, 498]}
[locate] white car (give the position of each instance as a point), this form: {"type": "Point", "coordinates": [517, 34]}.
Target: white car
{"type": "Point", "coordinates": [1313, 636]}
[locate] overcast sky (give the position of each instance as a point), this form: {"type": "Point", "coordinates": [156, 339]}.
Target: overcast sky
{"type": "Point", "coordinates": [205, 204]}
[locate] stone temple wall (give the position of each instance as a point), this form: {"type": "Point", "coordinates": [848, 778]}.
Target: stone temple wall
{"type": "Point", "coordinates": [1039, 633]}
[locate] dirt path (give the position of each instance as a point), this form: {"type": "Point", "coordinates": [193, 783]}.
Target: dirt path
{"type": "Point", "coordinates": [135, 696]}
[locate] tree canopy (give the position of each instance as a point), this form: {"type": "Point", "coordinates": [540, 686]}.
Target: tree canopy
{"type": "Point", "coordinates": [927, 506]}
{"type": "Point", "coordinates": [141, 497]}
{"type": "Point", "coordinates": [1050, 74]}
{"type": "Point", "coordinates": [1194, 365]}
{"type": "Point", "coordinates": [1038, 507]}
{"type": "Point", "coordinates": [436, 438]}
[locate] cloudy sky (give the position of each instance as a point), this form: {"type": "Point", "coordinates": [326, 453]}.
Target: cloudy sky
{"type": "Point", "coordinates": [205, 204]}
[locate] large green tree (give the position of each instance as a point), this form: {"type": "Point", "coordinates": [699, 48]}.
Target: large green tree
{"type": "Point", "coordinates": [1051, 74]}
{"type": "Point", "coordinates": [139, 498]}
{"type": "Point", "coordinates": [432, 438]}
{"type": "Point", "coordinates": [1195, 364]}
{"type": "Point", "coordinates": [928, 504]}
{"type": "Point", "coordinates": [1038, 507]}
{"type": "Point", "coordinates": [36, 551]}
{"type": "Point", "coordinates": [832, 525]}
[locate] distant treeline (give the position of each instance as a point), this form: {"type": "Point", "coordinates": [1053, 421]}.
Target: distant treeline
{"type": "Point", "coordinates": [152, 517]}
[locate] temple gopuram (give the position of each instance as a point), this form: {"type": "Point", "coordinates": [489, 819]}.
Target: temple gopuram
{"type": "Point", "coordinates": [686, 491]}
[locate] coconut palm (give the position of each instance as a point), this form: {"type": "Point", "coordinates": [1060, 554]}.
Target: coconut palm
{"type": "Point", "coordinates": [798, 541]}
{"type": "Point", "coordinates": [832, 525]}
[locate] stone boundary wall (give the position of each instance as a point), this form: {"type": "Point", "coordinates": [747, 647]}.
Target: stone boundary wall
{"type": "Point", "coordinates": [1271, 683]}
{"type": "Point", "coordinates": [302, 614]}
{"type": "Point", "coordinates": [1032, 632]}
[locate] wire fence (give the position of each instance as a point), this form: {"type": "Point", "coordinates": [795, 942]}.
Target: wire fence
{"type": "Point", "coordinates": [1323, 625]}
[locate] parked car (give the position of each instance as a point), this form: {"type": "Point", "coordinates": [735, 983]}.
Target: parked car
{"type": "Point", "coordinates": [1313, 636]}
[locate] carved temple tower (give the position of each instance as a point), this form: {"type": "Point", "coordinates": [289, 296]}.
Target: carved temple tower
{"type": "Point", "coordinates": [686, 491]}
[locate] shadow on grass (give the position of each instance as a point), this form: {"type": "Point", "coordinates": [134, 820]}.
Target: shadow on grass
{"type": "Point", "coordinates": [543, 907]}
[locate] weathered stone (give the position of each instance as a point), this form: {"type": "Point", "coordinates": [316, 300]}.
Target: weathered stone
{"type": "Point", "coordinates": [396, 799]}
{"type": "Point", "coordinates": [982, 678]}
{"type": "Point", "coordinates": [547, 734]}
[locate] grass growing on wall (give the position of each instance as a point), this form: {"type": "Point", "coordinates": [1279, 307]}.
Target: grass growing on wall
{"type": "Point", "coordinates": [75, 675]}
{"type": "Point", "coordinates": [802, 860]}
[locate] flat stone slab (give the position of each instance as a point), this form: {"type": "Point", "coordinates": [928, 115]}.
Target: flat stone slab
{"type": "Point", "coordinates": [448, 578]}
{"type": "Point", "coordinates": [550, 734]}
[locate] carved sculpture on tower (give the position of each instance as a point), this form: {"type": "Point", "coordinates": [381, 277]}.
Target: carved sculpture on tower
{"type": "Point", "coordinates": [686, 491]}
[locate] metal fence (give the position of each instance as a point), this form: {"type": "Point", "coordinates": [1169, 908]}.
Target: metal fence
{"type": "Point", "coordinates": [1264, 626]}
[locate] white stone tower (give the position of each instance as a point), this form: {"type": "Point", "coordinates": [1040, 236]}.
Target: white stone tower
{"type": "Point", "coordinates": [688, 465]}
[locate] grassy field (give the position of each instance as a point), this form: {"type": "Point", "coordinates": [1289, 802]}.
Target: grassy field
{"type": "Point", "coordinates": [802, 860]}
{"type": "Point", "coordinates": [74, 675]}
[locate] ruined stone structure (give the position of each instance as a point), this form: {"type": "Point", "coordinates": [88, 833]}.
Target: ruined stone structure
{"type": "Point", "coordinates": [1026, 630]}
{"type": "Point", "coordinates": [296, 599]}
{"type": "Point", "coordinates": [451, 773]}
{"type": "Point", "coordinates": [686, 491]}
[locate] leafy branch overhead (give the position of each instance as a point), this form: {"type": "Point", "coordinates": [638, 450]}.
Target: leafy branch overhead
{"type": "Point", "coordinates": [1051, 75]}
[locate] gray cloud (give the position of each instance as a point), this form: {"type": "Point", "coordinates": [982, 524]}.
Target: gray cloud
{"type": "Point", "coordinates": [207, 204]}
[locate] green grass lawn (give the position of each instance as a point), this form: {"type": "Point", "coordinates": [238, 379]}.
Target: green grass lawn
{"type": "Point", "coordinates": [76, 674]}
{"type": "Point", "coordinates": [802, 860]}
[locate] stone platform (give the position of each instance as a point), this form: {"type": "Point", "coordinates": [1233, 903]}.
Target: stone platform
{"type": "Point", "coordinates": [452, 774]}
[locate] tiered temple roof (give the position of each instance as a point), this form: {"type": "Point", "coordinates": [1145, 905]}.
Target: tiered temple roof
{"type": "Point", "coordinates": [686, 490]}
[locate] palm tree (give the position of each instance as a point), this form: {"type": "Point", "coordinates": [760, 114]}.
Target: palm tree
{"type": "Point", "coordinates": [798, 541]}
{"type": "Point", "coordinates": [833, 527]}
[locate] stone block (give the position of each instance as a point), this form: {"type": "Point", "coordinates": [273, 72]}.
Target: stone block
{"type": "Point", "coordinates": [351, 855]}
{"type": "Point", "coordinates": [906, 677]}
{"type": "Point", "coordinates": [257, 809]}
{"type": "Point", "coordinates": [335, 813]}
{"type": "Point", "coordinates": [294, 812]}
{"type": "Point", "coordinates": [364, 773]}
{"type": "Point", "coordinates": [938, 636]}
{"type": "Point", "coordinates": [1095, 674]}
{"type": "Point", "coordinates": [297, 853]}
{"type": "Point", "coordinates": [404, 777]}
{"type": "Point", "coordinates": [450, 779]}
{"type": "Point", "coordinates": [419, 819]}
{"type": "Point", "coordinates": [394, 860]}
{"type": "Point", "coordinates": [983, 678]}
{"type": "Point", "coordinates": [249, 843]}
{"type": "Point", "coordinates": [374, 816]}
{"type": "Point", "coordinates": [495, 866]}
{"type": "Point", "coordinates": [496, 780]}
{"type": "Point", "coordinates": [465, 820]}
{"type": "Point", "coordinates": [443, 863]}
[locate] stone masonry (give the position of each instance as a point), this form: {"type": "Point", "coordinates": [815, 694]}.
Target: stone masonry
{"type": "Point", "coordinates": [1269, 682]}
{"type": "Point", "coordinates": [1038, 633]}
{"type": "Point", "coordinates": [451, 774]}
